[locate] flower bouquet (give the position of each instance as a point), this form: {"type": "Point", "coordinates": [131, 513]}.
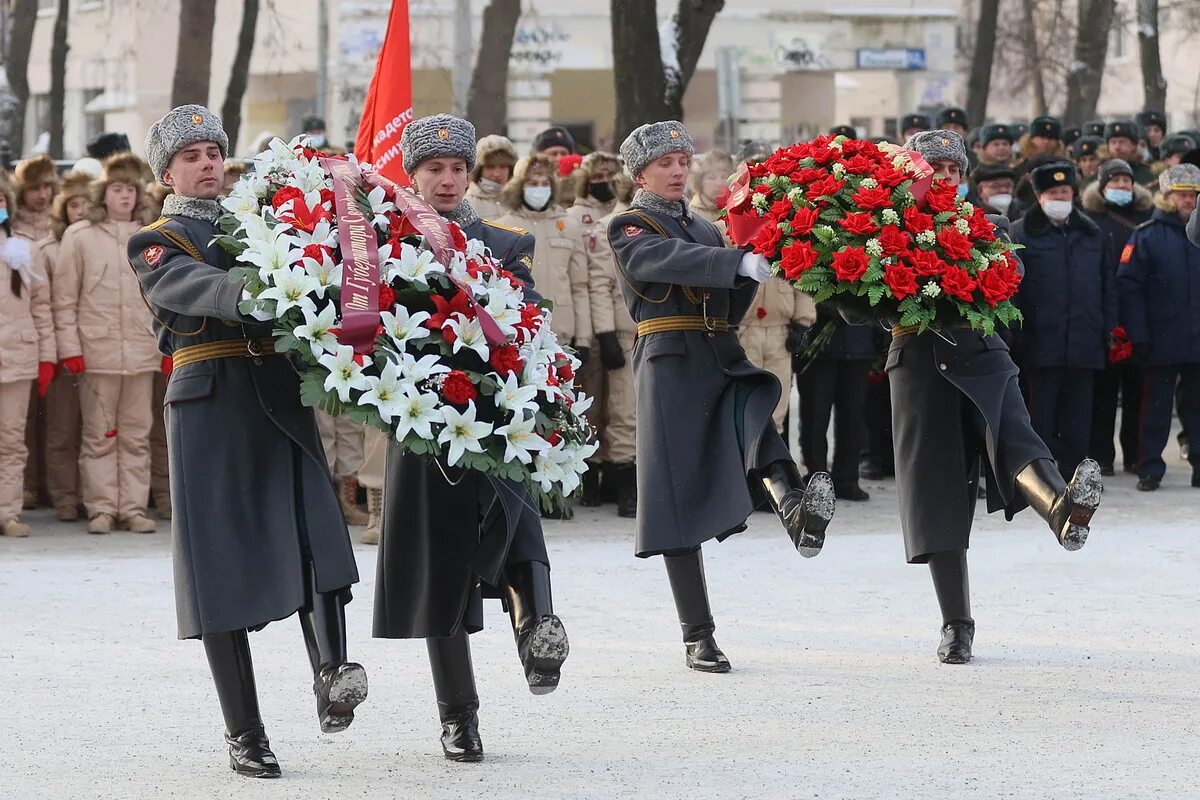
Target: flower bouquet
{"type": "Point", "coordinates": [395, 319]}
{"type": "Point", "coordinates": [865, 224]}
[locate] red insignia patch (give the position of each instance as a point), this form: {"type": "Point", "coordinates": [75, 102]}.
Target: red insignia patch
{"type": "Point", "coordinates": [1127, 254]}
{"type": "Point", "coordinates": [587, 219]}
{"type": "Point", "coordinates": [152, 255]}
{"type": "Point", "coordinates": [633, 230]}
{"type": "Point", "coordinates": [591, 242]}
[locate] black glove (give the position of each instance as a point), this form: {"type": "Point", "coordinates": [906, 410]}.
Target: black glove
{"type": "Point", "coordinates": [611, 354]}
{"type": "Point", "coordinates": [1141, 353]}
{"type": "Point", "coordinates": [797, 338]}
{"type": "Point", "coordinates": [582, 354]}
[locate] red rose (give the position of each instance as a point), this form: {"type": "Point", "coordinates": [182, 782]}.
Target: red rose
{"type": "Point", "coordinates": [506, 360]}
{"type": "Point", "coordinates": [850, 264]}
{"type": "Point", "coordinates": [781, 210]}
{"type": "Point", "coordinates": [900, 280]}
{"type": "Point", "coordinates": [797, 258]}
{"type": "Point", "coordinates": [958, 283]}
{"type": "Point", "coordinates": [826, 186]}
{"type": "Point", "coordinates": [926, 262]}
{"type": "Point", "coordinates": [941, 197]}
{"type": "Point", "coordinates": [894, 241]}
{"type": "Point", "coordinates": [916, 222]}
{"type": "Point", "coordinates": [781, 162]}
{"type": "Point", "coordinates": [861, 223]}
{"type": "Point", "coordinates": [873, 198]}
{"type": "Point", "coordinates": [954, 244]}
{"type": "Point", "coordinates": [982, 230]}
{"type": "Point", "coordinates": [994, 286]}
{"type": "Point", "coordinates": [458, 389]}
{"type": "Point", "coordinates": [285, 194]}
{"type": "Point", "coordinates": [1119, 332]}
{"type": "Point", "coordinates": [804, 220]}
{"type": "Point", "coordinates": [859, 164]}
{"type": "Point", "coordinates": [807, 175]}
{"type": "Point", "coordinates": [890, 177]}
{"type": "Point", "coordinates": [387, 297]}
{"type": "Point", "coordinates": [766, 241]}
{"type": "Point", "coordinates": [762, 188]}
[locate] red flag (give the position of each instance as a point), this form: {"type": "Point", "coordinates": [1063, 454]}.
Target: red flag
{"type": "Point", "coordinates": [388, 107]}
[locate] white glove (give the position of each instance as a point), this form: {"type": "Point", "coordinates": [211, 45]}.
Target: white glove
{"type": "Point", "coordinates": [755, 267]}
{"type": "Point", "coordinates": [257, 313]}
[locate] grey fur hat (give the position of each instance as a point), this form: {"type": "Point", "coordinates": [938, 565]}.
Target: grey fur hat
{"type": "Point", "coordinates": [653, 141]}
{"type": "Point", "coordinates": [438, 136]}
{"type": "Point", "coordinates": [940, 145]}
{"type": "Point", "coordinates": [1181, 177]}
{"type": "Point", "coordinates": [178, 128]}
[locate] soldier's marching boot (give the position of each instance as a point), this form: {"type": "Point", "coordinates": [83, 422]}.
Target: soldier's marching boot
{"type": "Point", "coordinates": [804, 510]}
{"type": "Point", "coordinates": [348, 496]}
{"type": "Point", "coordinates": [233, 675]}
{"type": "Point", "coordinates": [374, 516]}
{"type": "Point", "coordinates": [626, 480]}
{"type": "Point", "coordinates": [608, 481]}
{"type": "Point", "coordinates": [949, 571]}
{"type": "Point", "coordinates": [690, 590]}
{"type": "Point", "coordinates": [1066, 507]}
{"type": "Point", "coordinates": [339, 685]}
{"type": "Point", "coordinates": [592, 482]}
{"type": "Point", "coordinates": [458, 702]}
{"type": "Point", "coordinates": [541, 638]}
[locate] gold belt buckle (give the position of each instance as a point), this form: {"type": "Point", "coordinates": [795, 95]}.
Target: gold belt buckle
{"type": "Point", "coordinates": [254, 348]}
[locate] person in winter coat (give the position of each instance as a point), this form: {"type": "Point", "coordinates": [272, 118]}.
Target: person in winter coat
{"type": "Point", "coordinates": [1122, 139]}
{"type": "Point", "coordinates": [1068, 299]}
{"type": "Point", "coordinates": [993, 187]}
{"type": "Point", "coordinates": [1043, 139]}
{"type": "Point", "coordinates": [1153, 125]}
{"type": "Point", "coordinates": [1159, 281]}
{"type": "Point", "coordinates": [64, 424]}
{"type": "Point", "coordinates": [160, 459]}
{"type": "Point", "coordinates": [709, 174]}
{"type": "Point", "coordinates": [1172, 150]}
{"type": "Point", "coordinates": [495, 157]}
{"type": "Point", "coordinates": [996, 144]}
{"type": "Point", "coordinates": [1118, 206]}
{"type": "Point", "coordinates": [103, 332]}
{"type": "Point", "coordinates": [26, 356]}
{"type": "Point", "coordinates": [1085, 152]}
{"type": "Point", "coordinates": [704, 410]}
{"type": "Point", "coordinates": [774, 329]}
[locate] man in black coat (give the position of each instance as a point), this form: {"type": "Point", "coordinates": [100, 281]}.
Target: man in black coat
{"type": "Point", "coordinates": [451, 536]}
{"type": "Point", "coordinates": [257, 530]}
{"type": "Point", "coordinates": [1068, 298]}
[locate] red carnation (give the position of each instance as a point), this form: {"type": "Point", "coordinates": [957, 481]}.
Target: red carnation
{"type": "Point", "coordinates": [387, 297]}
{"type": "Point", "coordinates": [826, 186]}
{"type": "Point", "coordinates": [926, 262]}
{"type": "Point", "coordinates": [954, 244]}
{"type": "Point", "coordinates": [895, 241]}
{"type": "Point", "coordinates": [317, 252]}
{"type": "Point", "coordinates": [460, 239]}
{"type": "Point", "coordinates": [873, 198]}
{"type": "Point", "coordinates": [804, 220]}
{"type": "Point", "coordinates": [941, 197]}
{"type": "Point", "coordinates": [285, 194]}
{"type": "Point", "coordinates": [766, 241]}
{"type": "Point", "coordinates": [797, 258]}
{"type": "Point", "coordinates": [861, 223]}
{"type": "Point", "coordinates": [850, 264]}
{"type": "Point", "coordinates": [458, 389]}
{"type": "Point", "coordinates": [958, 283]}
{"type": "Point", "coordinates": [506, 360]}
{"type": "Point", "coordinates": [916, 222]}
{"type": "Point", "coordinates": [781, 210]}
{"type": "Point", "coordinates": [900, 280]}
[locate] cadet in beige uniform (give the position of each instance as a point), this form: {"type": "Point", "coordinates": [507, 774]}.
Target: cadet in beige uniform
{"type": "Point", "coordinates": [709, 174]}
{"type": "Point", "coordinates": [775, 328]}
{"type": "Point", "coordinates": [495, 157]}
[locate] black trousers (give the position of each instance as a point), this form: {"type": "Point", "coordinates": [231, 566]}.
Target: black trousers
{"type": "Point", "coordinates": [827, 385]}
{"type": "Point", "coordinates": [1123, 381]}
{"type": "Point", "coordinates": [1060, 408]}
{"type": "Point", "coordinates": [1158, 392]}
{"type": "Point", "coordinates": [878, 422]}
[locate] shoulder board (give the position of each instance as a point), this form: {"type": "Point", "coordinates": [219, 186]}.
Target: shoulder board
{"type": "Point", "coordinates": [518, 231]}
{"type": "Point", "coordinates": [158, 223]}
{"type": "Point", "coordinates": [179, 239]}
{"type": "Point", "coordinates": [1146, 224]}
{"type": "Point", "coordinates": [649, 220]}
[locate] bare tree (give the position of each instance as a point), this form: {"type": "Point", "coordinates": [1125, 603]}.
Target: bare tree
{"type": "Point", "coordinates": [1034, 67]}
{"type": "Point", "coordinates": [487, 99]}
{"type": "Point", "coordinates": [58, 77]}
{"type": "Point", "coordinates": [193, 59]}
{"type": "Point", "coordinates": [1154, 83]}
{"type": "Point", "coordinates": [980, 82]}
{"type": "Point", "coordinates": [23, 16]}
{"type": "Point", "coordinates": [239, 75]}
{"type": "Point", "coordinates": [653, 65]}
{"type": "Point", "coordinates": [1087, 70]}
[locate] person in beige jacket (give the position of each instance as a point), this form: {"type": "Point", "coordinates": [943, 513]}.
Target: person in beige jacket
{"type": "Point", "coordinates": [103, 332]}
{"type": "Point", "coordinates": [495, 157]}
{"type": "Point", "coordinates": [26, 354]}
{"type": "Point", "coordinates": [773, 330]}
{"type": "Point", "coordinates": [160, 467]}
{"type": "Point", "coordinates": [63, 422]}
{"type": "Point", "coordinates": [709, 174]}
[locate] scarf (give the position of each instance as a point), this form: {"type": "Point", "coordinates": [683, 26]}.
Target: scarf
{"type": "Point", "coordinates": [465, 215]}
{"type": "Point", "coordinates": [652, 202]}
{"type": "Point", "coordinates": [179, 206]}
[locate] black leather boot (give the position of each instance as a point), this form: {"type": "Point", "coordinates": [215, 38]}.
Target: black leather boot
{"type": "Point", "coordinates": [233, 674]}
{"type": "Point", "coordinates": [458, 702]}
{"type": "Point", "coordinates": [1067, 508]}
{"type": "Point", "coordinates": [805, 512]}
{"type": "Point", "coordinates": [592, 480]}
{"type": "Point", "coordinates": [950, 583]}
{"type": "Point", "coordinates": [690, 590]}
{"type": "Point", "coordinates": [626, 480]}
{"type": "Point", "coordinates": [541, 638]}
{"type": "Point", "coordinates": [338, 684]}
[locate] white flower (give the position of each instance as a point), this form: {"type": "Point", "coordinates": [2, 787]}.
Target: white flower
{"type": "Point", "coordinates": [870, 183]}
{"type": "Point", "coordinates": [874, 247]}
{"type": "Point", "coordinates": [890, 217]}
{"type": "Point", "coordinates": [468, 336]}
{"type": "Point", "coordinates": [521, 440]}
{"type": "Point", "coordinates": [241, 202]}
{"type": "Point", "coordinates": [380, 205]}
{"type": "Point", "coordinates": [315, 329]}
{"type": "Point", "coordinates": [927, 237]}
{"type": "Point", "coordinates": [931, 290]}
{"type": "Point", "coordinates": [839, 169]}
{"type": "Point", "coordinates": [760, 201]}
{"type": "Point", "coordinates": [423, 369]}
{"type": "Point", "coordinates": [462, 432]}
{"type": "Point", "coordinates": [324, 272]}
{"type": "Point", "coordinates": [512, 396]}
{"type": "Point", "coordinates": [506, 319]}
{"type": "Point", "coordinates": [477, 250]}
{"type": "Point", "coordinates": [795, 195]}
{"type": "Point", "coordinates": [415, 413]}
{"type": "Point", "coordinates": [403, 327]}
{"type": "Point", "coordinates": [271, 252]}
{"type": "Point", "coordinates": [965, 209]}
{"type": "Point", "coordinates": [290, 289]}
{"type": "Point", "coordinates": [386, 392]}
{"type": "Point", "coordinates": [962, 226]}
{"type": "Point", "coordinates": [547, 470]}
{"type": "Point", "coordinates": [412, 266]}
{"type": "Point", "coordinates": [344, 373]}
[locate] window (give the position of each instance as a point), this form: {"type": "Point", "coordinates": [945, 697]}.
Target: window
{"type": "Point", "coordinates": [93, 122]}
{"type": "Point", "coordinates": [1118, 41]}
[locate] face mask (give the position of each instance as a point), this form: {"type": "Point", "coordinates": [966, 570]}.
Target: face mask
{"type": "Point", "coordinates": [961, 191]}
{"type": "Point", "coordinates": [1119, 197]}
{"type": "Point", "coordinates": [316, 141]}
{"type": "Point", "coordinates": [536, 197]}
{"type": "Point", "coordinates": [490, 185]}
{"type": "Point", "coordinates": [1000, 202]}
{"type": "Point", "coordinates": [1057, 210]}
{"type": "Point", "coordinates": [601, 191]}
{"type": "Point", "coordinates": [3, 215]}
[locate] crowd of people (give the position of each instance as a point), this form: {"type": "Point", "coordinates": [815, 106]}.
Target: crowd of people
{"type": "Point", "coordinates": [1111, 300]}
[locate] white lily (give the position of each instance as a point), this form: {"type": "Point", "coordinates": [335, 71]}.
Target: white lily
{"type": "Point", "coordinates": [502, 294]}
{"type": "Point", "coordinates": [513, 397]}
{"type": "Point", "coordinates": [468, 336]}
{"type": "Point", "coordinates": [380, 205]}
{"type": "Point", "coordinates": [521, 442]}
{"type": "Point", "coordinates": [324, 272]}
{"type": "Point", "coordinates": [241, 202]}
{"type": "Point", "coordinates": [344, 373]}
{"type": "Point", "coordinates": [417, 370]}
{"type": "Point", "coordinates": [415, 413]}
{"type": "Point", "coordinates": [412, 266]}
{"type": "Point", "coordinates": [547, 470]}
{"type": "Point", "coordinates": [290, 289]}
{"type": "Point", "coordinates": [403, 327]}
{"type": "Point", "coordinates": [316, 327]}
{"type": "Point", "coordinates": [269, 253]}
{"type": "Point", "coordinates": [462, 432]}
{"type": "Point", "coordinates": [477, 249]}
{"type": "Point", "coordinates": [386, 392]}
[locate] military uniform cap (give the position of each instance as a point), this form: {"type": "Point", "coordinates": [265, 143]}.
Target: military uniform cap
{"type": "Point", "coordinates": [992, 172]}
{"type": "Point", "coordinates": [653, 141]}
{"type": "Point", "coordinates": [1094, 128]}
{"type": "Point", "coordinates": [437, 136]}
{"type": "Point", "coordinates": [179, 128]}
{"type": "Point", "coordinates": [1177, 144]}
{"type": "Point", "coordinates": [939, 145]}
{"type": "Point", "coordinates": [844, 130]}
{"type": "Point", "coordinates": [1071, 135]}
{"type": "Point", "coordinates": [1111, 169]}
{"type": "Point", "coordinates": [1180, 178]}
{"type": "Point", "coordinates": [1048, 127]}
{"type": "Point", "coordinates": [1056, 173]}
{"type": "Point", "coordinates": [1086, 146]}
{"type": "Point", "coordinates": [1121, 129]}
{"type": "Point", "coordinates": [914, 121]}
{"type": "Point", "coordinates": [995, 132]}
{"type": "Point", "coordinates": [952, 116]}
{"type": "Point", "coordinates": [1151, 117]}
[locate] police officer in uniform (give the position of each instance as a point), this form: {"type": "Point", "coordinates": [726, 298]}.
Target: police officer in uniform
{"type": "Point", "coordinates": [258, 534]}
{"type": "Point", "coordinates": [450, 536]}
{"type": "Point", "coordinates": [704, 411]}
{"type": "Point", "coordinates": [1085, 152]}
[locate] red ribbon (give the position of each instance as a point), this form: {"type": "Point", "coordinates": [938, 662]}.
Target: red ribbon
{"type": "Point", "coordinates": [360, 260]}
{"type": "Point", "coordinates": [742, 225]}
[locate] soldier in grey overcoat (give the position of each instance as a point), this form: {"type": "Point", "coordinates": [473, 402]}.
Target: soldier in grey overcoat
{"type": "Point", "coordinates": [449, 537]}
{"type": "Point", "coordinates": [703, 409]}
{"type": "Point", "coordinates": [257, 531]}
{"type": "Point", "coordinates": [955, 403]}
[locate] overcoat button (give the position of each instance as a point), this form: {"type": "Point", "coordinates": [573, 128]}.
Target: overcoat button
{"type": "Point", "coordinates": [942, 367]}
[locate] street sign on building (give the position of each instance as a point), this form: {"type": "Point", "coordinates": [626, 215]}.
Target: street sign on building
{"type": "Point", "coordinates": [893, 58]}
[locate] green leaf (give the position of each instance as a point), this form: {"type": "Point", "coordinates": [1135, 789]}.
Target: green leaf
{"type": "Point", "coordinates": [876, 292]}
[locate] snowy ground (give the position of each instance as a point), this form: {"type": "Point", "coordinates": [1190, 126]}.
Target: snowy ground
{"type": "Point", "coordinates": [1085, 684]}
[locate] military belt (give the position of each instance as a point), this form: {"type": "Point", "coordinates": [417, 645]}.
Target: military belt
{"type": "Point", "coordinates": [906, 330]}
{"type": "Point", "coordinates": [693, 323]}
{"type": "Point", "coordinates": [225, 348]}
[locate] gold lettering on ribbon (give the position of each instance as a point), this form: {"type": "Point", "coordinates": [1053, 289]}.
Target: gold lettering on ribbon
{"type": "Point", "coordinates": [360, 260]}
